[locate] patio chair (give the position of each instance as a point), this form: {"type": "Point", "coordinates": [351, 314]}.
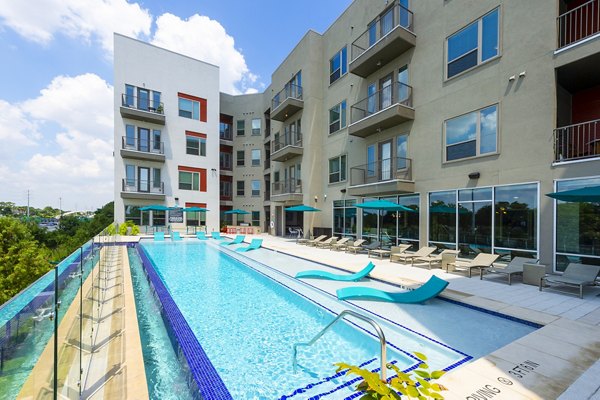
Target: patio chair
{"type": "Point", "coordinates": [159, 236]}
{"type": "Point", "coordinates": [428, 290]}
{"type": "Point", "coordinates": [316, 240]}
{"type": "Point", "coordinates": [422, 252]}
{"type": "Point", "coordinates": [201, 235]}
{"type": "Point", "coordinates": [365, 247]}
{"type": "Point", "coordinates": [175, 236]}
{"type": "Point", "coordinates": [515, 267]}
{"type": "Point", "coordinates": [354, 247]}
{"type": "Point", "coordinates": [482, 260]}
{"type": "Point", "coordinates": [238, 239]}
{"type": "Point", "coordinates": [216, 235]}
{"type": "Point", "coordinates": [443, 258]}
{"type": "Point", "coordinates": [397, 250]}
{"type": "Point", "coordinates": [327, 243]}
{"type": "Point", "coordinates": [575, 274]}
{"type": "Point", "coordinates": [317, 274]}
{"type": "Point", "coordinates": [339, 244]}
{"type": "Point", "coordinates": [254, 244]}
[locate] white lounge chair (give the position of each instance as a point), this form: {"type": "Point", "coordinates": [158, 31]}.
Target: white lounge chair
{"type": "Point", "coordinates": [327, 243]}
{"type": "Point", "coordinates": [355, 247]}
{"type": "Point", "coordinates": [340, 244]}
{"type": "Point", "coordinates": [400, 249]}
{"type": "Point", "coordinates": [575, 274]}
{"type": "Point", "coordinates": [422, 252]}
{"type": "Point", "coordinates": [482, 260]}
{"type": "Point", "coordinates": [447, 255]}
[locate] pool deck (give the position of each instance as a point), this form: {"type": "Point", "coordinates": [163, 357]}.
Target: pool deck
{"type": "Point", "coordinates": [559, 360]}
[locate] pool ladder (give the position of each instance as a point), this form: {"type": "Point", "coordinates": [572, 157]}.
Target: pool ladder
{"type": "Point", "coordinates": [341, 316]}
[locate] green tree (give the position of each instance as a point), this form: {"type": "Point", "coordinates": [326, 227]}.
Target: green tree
{"type": "Point", "coordinates": [22, 259]}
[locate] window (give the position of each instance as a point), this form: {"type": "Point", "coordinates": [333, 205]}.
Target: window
{"type": "Point", "coordinates": [156, 183]}
{"type": "Point", "coordinates": [156, 143]}
{"type": "Point", "coordinates": [240, 188]}
{"type": "Point", "coordinates": [130, 136]}
{"type": "Point", "coordinates": [195, 218]}
{"type": "Point", "coordinates": [473, 45]}
{"type": "Point", "coordinates": [255, 157]}
{"type": "Point", "coordinates": [344, 218]}
{"type": "Point", "coordinates": [371, 162]}
{"type": "Point", "coordinates": [337, 117]}
{"type": "Point", "coordinates": [155, 105]}
{"type": "Point", "coordinates": [255, 188]}
{"type": "Point", "coordinates": [338, 65]}
{"type": "Point", "coordinates": [240, 158]}
{"type": "Point", "coordinates": [442, 218]}
{"type": "Point", "coordinates": [189, 181]}
{"type": "Point", "coordinates": [129, 100]}
{"type": "Point", "coordinates": [195, 144]}
{"type": "Point", "coordinates": [256, 127]}
{"type": "Point", "coordinates": [337, 169]}
{"type": "Point", "coordinates": [241, 127]}
{"type": "Point", "coordinates": [225, 161]}
{"type": "Point", "coordinates": [189, 109]}
{"type": "Point", "coordinates": [130, 174]}
{"type": "Point", "coordinates": [133, 213]}
{"type": "Point", "coordinates": [276, 176]}
{"type": "Point", "coordinates": [472, 134]}
{"type": "Point", "coordinates": [401, 151]}
{"type": "Point", "coordinates": [255, 218]}
{"type": "Point", "coordinates": [225, 129]}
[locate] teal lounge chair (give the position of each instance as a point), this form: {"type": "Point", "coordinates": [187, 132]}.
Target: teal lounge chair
{"type": "Point", "coordinates": [238, 239]}
{"type": "Point", "coordinates": [159, 236]}
{"type": "Point", "coordinates": [216, 235]}
{"type": "Point", "coordinates": [337, 277]}
{"type": "Point", "coordinates": [201, 235]}
{"type": "Point", "coordinates": [428, 290]}
{"type": "Point", "coordinates": [175, 236]}
{"type": "Point", "coordinates": [254, 244]}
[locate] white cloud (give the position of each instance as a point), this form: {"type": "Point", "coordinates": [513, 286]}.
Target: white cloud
{"type": "Point", "coordinates": [41, 20]}
{"type": "Point", "coordinates": [76, 163]}
{"type": "Point", "coordinates": [205, 39]}
{"type": "Point", "coordinates": [16, 130]}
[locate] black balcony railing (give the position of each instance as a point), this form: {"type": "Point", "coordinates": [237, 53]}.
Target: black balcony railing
{"type": "Point", "coordinates": [142, 103]}
{"type": "Point", "coordinates": [577, 141]}
{"type": "Point", "coordinates": [143, 145]}
{"type": "Point", "coordinates": [579, 23]}
{"type": "Point", "coordinates": [288, 186]}
{"type": "Point", "coordinates": [225, 131]}
{"type": "Point", "coordinates": [289, 91]}
{"type": "Point", "coordinates": [143, 186]}
{"type": "Point", "coordinates": [388, 169]}
{"type": "Point", "coordinates": [396, 93]}
{"type": "Point", "coordinates": [397, 15]}
{"type": "Point", "coordinates": [225, 191]}
{"type": "Point", "coordinates": [288, 139]}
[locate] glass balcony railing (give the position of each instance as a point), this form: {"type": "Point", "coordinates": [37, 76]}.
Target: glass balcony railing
{"type": "Point", "coordinates": [142, 103]}
{"type": "Point", "coordinates": [397, 93]}
{"type": "Point", "coordinates": [578, 141]}
{"type": "Point", "coordinates": [289, 91]}
{"type": "Point", "coordinates": [579, 23]}
{"type": "Point", "coordinates": [143, 145]}
{"type": "Point", "coordinates": [143, 186]}
{"type": "Point", "coordinates": [289, 186]}
{"type": "Point", "coordinates": [288, 139]}
{"type": "Point", "coordinates": [383, 170]}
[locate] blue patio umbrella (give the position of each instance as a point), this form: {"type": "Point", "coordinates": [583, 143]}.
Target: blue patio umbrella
{"type": "Point", "coordinates": [156, 207]}
{"type": "Point", "coordinates": [195, 209]}
{"type": "Point", "coordinates": [581, 195]}
{"type": "Point", "coordinates": [237, 211]}
{"type": "Point", "coordinates": [384, 205]}
{"type": "Point", "coordinates": [302, 208]}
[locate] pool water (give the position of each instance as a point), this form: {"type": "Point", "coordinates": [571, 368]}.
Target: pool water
{"type": "Point", "coordinates": [247, 317]}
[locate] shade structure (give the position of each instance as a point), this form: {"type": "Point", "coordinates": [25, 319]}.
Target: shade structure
{"type": "Point", "coordinates": [195, 209]}
{"type": "Point", "coordinates": [384, 205]}
{"type": "Point", "coordinates": [302, 208]}
{"type": "Point", "coordinates": [581, 195]}
{"type": "Point", "coordinates": [156, 207]}
{"type": "Point", "coordinates": [236, 211]}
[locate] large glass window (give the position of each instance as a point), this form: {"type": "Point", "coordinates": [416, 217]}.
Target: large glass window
{"type": "Point", "coordinates": [515, 210]}
{"type": "Point", "coordinates": [133, 213]}
{"type": "Point", "coordinates": [189, 108]}
{"type": "Point", "coordinates": [189, 180]}
{"type": "Point", "coordinates": [473, 45]}
{"type": "Point", "coordinates": [156, 143]}
{"type": "Point", "coordinates": [402, 151]}
{"type": "Point", "coordinates": [442, 219]}
{"type": "Point", "coordinates": [472, 134]}
{"type": "Point", "coordinates": [577, 227]}
{"type": "Point", "coordinates": [130, 174]}
{"type": "Point", "coordinates": [130, 136]}
{"type": "Point", "coordinates": [474, 221]}
{"type": "Point", "coordinates": [344, 218]}
{"type": "Point", "coordinates": [256, 127]}
{"type": "Point", "coordinates": [408, 221]}
{"type": "Point", "coordinates": [370, 222]}
{"type": "Point", "coordinates": [337, 169]}
{"type": "Point", "coordinates": [255, 157]}
{"type": "Point", "coordinates": [156, 182]}
{"type": "Point", "coordinates": [371, 162]}
{"type": "Point", "coordinates": [338, 65]}
{"type": "Point", "coordinates": [195, 145]}
{"type": "Point", "coordinates": [388, 224]}
{"type": "Point", "coordinates": [337, 117]}
{"type": "Point", "coordinates": [159, 218]}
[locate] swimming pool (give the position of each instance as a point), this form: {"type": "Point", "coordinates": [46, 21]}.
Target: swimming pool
{"type": "Point", "coordinates": [247, 316]}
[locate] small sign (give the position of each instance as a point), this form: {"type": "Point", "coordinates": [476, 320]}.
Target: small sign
{"type": "Point", "coordinates": [176, 216]}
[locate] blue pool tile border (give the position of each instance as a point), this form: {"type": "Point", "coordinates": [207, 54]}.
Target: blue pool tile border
{"type": "Point", "coordinates": [206, 378]}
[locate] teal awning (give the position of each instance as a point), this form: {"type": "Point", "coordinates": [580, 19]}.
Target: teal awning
{"type": "Point", "coordinates": [582, 195]}
{"type": "Point", "coordinates": [384, 205]}
{"type": "Point", "coordinates": [302, 208]}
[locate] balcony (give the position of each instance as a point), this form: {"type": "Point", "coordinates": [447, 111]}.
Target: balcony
{"type": "Point", "coordinates": [287, 102]}
{"type": "Point", "coordinates": [142, 189]}
{"type": "Point", "coordinates": [381, 177]}
{"type": "Point", "coordinates": [578, 24]}
{"type": "Point", "coordinates": [137, 149]}
{"type": "Point", "coordinates": [287, 191]}
{"type": "Point", "coordinates": [226, 133]}
{"type": "Point", "coordinates": [286, 147]}
{"type": "Point", "coordinates": [385, 108]}
{"type": "Point", "coordinates": [577, 142]}
{"type": "Point", "coordinates": [142, 109]}
{"type": "Point", "coordinates": [390, 35]}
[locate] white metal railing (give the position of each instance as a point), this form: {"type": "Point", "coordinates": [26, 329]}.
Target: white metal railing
{"type": "Point", "coordinates": [577, 141]}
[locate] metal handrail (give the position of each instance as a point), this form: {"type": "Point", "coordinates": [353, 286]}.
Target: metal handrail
{"type": "Point", "coordinates": [341, 315]}
{"type": "Point", "coordinates": [579, 23]}
{"type": "Point", "coordinates": [577, 141]}
{"type": "Point", "coordinates": [290, 138]}
{"type": "Point", "coordinates": [145, 104]}
{"type": "Point", "coordinates": [144, 146]}
{"type": "Point", "coordinates": [289, 91]}
{"type": "Point", "coordinates": [388, 169]}
{"type": "Point", "coordinates": [396, 93]}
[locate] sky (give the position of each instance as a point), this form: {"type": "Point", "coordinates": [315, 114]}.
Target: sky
{"type": "Point", "coordinates": [56, 93]}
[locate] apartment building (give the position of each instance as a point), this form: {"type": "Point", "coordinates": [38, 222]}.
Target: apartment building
{"type": "Point", "coordinates": [467, 113]}
{"type": "Point", "coordinates": [166, 110]}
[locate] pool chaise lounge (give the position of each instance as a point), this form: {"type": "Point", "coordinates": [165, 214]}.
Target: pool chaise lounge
{"type": "Point", "coordinates": [515, 267]}
{"type": "Point", "coordinates": [175, 236]}
{"type": "Point", "coordinates": [318, 274]}
{"type": "Point", "coordinates": [201, 235]}
{"type": "Point", "coordinates": [238, 239]}
{"type": "Point", "coordinates": [254, 244]}
{"type": "Point", "coordinates": [216, 235]}
{"type": "Point", "coordinates": [428, 290]}
{"type": "Point", "coordinates": [159, 236]}
{"type": "Point", "coordinates": [578, 275]}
